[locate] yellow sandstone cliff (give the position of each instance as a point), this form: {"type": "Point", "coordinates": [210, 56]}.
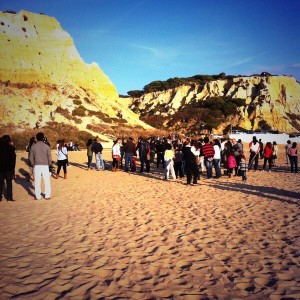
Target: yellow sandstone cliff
{"type": "Point", "coordinates": [273, 99]}
{"type": "Point", "coordinates": [35, 49]}
{"type": "Point", "coordinates": [43, 78]}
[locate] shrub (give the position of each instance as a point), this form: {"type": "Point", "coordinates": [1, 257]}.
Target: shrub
{"type": "Point", "coordinates": [48, 103]}
{"type": "Point", "coordinates": [21, 85]}
{"type": "Point", "coordinates": [229, 108]}
{"type": "Point", "coordinates": [135, 93]}
{"type": "Point", "coordinates": [77, 120]}
{"type": "Point", "coordinates": [77, 102]}
{"type": "Point", "coordinates": [263, 125]}
{"type": "Point", "coordinates": [107, 120]}
{"type": "Point", "coordinates": [239, 102]}
{"type": "Point", "coordinates": [74, 97]}
{"type": "Point", "coordinates": [79, 111]}
{"type": "Point", "coordinates": [87, 100]}
{"type": "Point", "coordinates": [24, 29]}
{"type": "Point", "coordinates": [98, 128]}
{"type": "Point", "coordinates": [214, 103]}
{"type": "Point", "coordinates": [210, 121]}
{"type": "Point", "coordinates": [99, 114]}
{"type": "Point", "coordinates": [122, 121]}
{"type": "Point", "coordinates": [25, 18]}
{"type": "Point", "coordinates": [63, 112]}
{"type": "Point", "coordinates": [114, 119]}
{"type": "Point", "coordinates": [251, 109]}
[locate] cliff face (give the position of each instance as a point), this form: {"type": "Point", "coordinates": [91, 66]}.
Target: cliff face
{"type": "Point", "coordinates": [44, 79]}
{"type": "Point", "coordinates": [270, 100]}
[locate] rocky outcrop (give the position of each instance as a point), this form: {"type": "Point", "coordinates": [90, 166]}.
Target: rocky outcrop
{"type": "Point", "coordinates": [272, 101]}
{"type": "Point", "coordinates": [43, 79]}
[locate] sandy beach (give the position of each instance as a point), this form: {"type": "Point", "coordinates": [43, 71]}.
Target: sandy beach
{"type": "Point", "coordinates": [106, 235]}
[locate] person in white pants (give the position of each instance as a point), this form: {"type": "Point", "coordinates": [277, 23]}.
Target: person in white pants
{"type": "Point", "coordinates": [40, 158]}
{"type": "Point", "coordinates": [169, 155]}
{"type": "Point", "coordinates": [39, 172]}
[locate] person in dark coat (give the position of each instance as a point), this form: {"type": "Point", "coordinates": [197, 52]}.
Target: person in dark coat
{"type": "Point", "coordinates": [160, 150]}
{"type": "Point", "coordinates": [7, 166]}
{"type": "Point", "coordinates": [190, 167]}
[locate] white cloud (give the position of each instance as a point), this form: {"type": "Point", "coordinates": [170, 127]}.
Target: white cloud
{"type": "Point", "coordinates": [296, 65]}
{"type": "Point", "coordinates": [162, 53]}
{"type": "Point", "coordinates": [241, 62]}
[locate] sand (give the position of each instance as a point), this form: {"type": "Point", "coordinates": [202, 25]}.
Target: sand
{"type": "Point", "coordinates": [106, 235]}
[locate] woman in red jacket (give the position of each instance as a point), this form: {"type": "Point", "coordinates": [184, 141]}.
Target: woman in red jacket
{"type": "Point", "coordinates": [268, 155]}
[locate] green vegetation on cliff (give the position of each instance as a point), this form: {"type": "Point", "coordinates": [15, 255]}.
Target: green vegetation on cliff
{"type": "Point", "coordinates": [172, 83]}
{"type": "Point", "coordinates": [209, 113]}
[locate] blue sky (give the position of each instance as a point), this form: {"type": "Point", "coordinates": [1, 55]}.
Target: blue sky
{"type": "Point", "coordinates": [139, 41]}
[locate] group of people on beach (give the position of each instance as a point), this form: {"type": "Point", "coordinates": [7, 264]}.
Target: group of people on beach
{"type": "Point", "coordinates": [180, 157]}
{"type": "Point", "coordinates": [188, 157]}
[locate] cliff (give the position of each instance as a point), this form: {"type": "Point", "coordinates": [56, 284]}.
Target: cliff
{"type": "Point", "coordinates": [43, 79]}
{"type": "Point", "coordinates": [254, 102]}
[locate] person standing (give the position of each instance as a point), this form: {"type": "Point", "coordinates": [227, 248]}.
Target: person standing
{"type": "Point", "coordinates": [287, 148]}
{"type": "Point", "coordinates": [293, 156]}
{"type": "Point", "coordinates": [254, 152]}
{"type": "Point", "coordinates": [208, 153]}
{"type": "Point", "coordinates": [169, 156]}
{"type": "Point", "coordinates": [129, 149]}
{"type": "Point", "coordinates": [261, 148]}
{"type": "Point", "coordinates": [237, 152]}
{"type": "Point", "coordinates": [268, 156]}
{"type": "Point", "coordinates": [160, 152]}
{"type": "Point", "coordinates": [40, 158]}
{"type": "Point", "coordinates": [152, 149]}
{"type": "Point", "coordinates": [124, 141]}
{"type": "Point", "coordinates": [178, 161]}
{"type": "Point", "coordinates": [134, 156]}
{"type": "Point", "coordinates": [190, 166]}
{"type": "Point", "coordinates": [7, 166]}
{"type": "Point", "coordinates": [231, 162]}
{"type": "Point", "coordinates": [97, 149]}
{"type": "Point", "coordinates": [62, 158]}
{"type": "Point", "coordinates": [274, 153]}
{"type": "Point", "coordinates": [116, 155]}
{"type": "Point", "coordinates": [217, 158]}
{"type": "Point", "coordinates": [89, 153]}
{"type": "Point", "coordinates": [31, 142]}
{"type": "Point", "coordinates": [243, 167]}
{"type": "Point", "coordinates": [144, 152]}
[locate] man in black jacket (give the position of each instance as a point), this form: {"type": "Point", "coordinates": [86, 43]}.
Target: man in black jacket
{"type": "Point", "coordinates": [7, 166]}
{"type": "Point", "coordinates": [97, 149]}
{"type": "Point", "coordinates": [129, 150]}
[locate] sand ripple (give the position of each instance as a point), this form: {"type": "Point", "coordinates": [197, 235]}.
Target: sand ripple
{"type": "Point", "coordinates": [111, 235]}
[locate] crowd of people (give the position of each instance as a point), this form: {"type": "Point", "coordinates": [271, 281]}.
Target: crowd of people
{"type": "Point", "coordinates": [189, 158]}
{"type": "Point", "coordinates": [179, 157]}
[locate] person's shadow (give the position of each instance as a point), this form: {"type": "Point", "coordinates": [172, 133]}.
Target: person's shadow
{"type": "Point", "coordinates": [271, 193]}
{"type": "Point", "coordinates": [25, 182]}
{"type": "Point", "coordinates": [77, 165]}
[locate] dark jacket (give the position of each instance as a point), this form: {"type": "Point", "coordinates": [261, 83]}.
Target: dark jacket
{"type": "Point", "coordinates": [7, 158]}
{"type": "Point", "coordinates": [129, 147]}
{"type": "Point", "coordinates": [160, 147]}
{"type": "Point", "coordinates": [97, 148]}
{"type": "Point", "coordinates": [144, 149]}
{"type": "Point", "coordinates": [188, 156]}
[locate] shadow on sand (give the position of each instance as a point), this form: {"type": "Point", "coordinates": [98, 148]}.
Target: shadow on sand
{"type": "Point", "coordinates": [271, 193]}
{"type": "Point", "coordinates": [25, 182]}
